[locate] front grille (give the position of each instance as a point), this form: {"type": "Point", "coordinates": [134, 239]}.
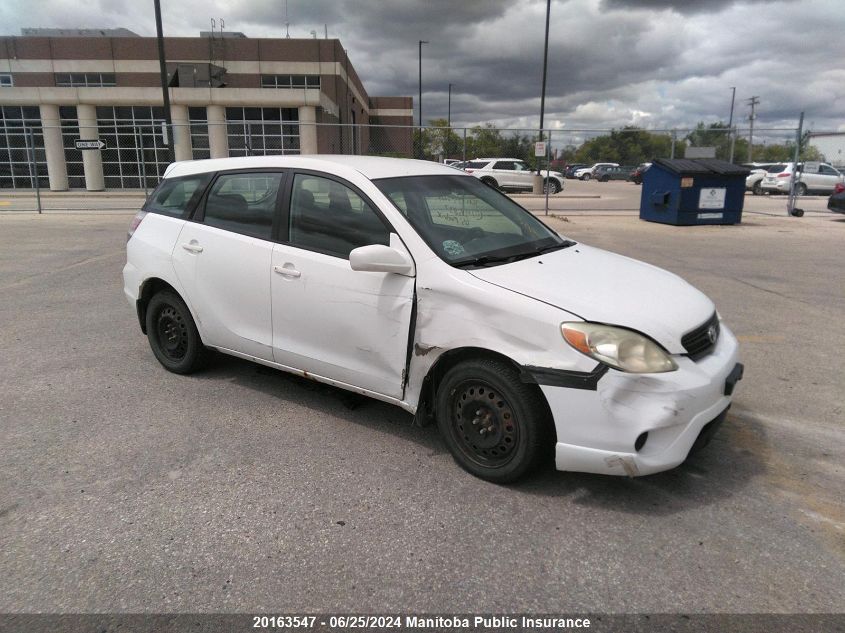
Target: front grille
{"type": "Point", "coordinates": [700, 342]}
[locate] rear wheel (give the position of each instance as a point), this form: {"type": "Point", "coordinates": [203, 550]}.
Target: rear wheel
{"type": "Point", "coordinates": [586, 177]}
{"type": "Point", "coordinates": [496, 427]}
{"type": "Point", "coordinates": [173, 335]}
{"type": "Point", "coordinates": [757, 188]}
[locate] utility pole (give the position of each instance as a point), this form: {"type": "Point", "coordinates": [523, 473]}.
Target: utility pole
{"type": "Point", "coordinates": [420, 148]}
{"type": "Point", "coordinates": [731, 123]}
{"type": "Point", "coordinates": [163, 72]}
{"type": "Point", "coordinates": [449, 109]}
{"type": "Point", "coordinates": [753, 102]}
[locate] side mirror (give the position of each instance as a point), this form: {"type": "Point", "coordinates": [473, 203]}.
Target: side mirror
{"type": "Point", "coordinates": [378, 258]}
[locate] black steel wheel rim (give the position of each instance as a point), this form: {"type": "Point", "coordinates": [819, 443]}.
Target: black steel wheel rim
{"type": "Point", "coordinates": [172, 333]}
{"type": "Point", "coordinates": [483, 424]}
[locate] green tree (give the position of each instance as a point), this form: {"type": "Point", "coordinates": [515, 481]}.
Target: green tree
{"type": "Point", "coordinates": [629, 146]}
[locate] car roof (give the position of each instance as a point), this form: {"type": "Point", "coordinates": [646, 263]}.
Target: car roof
{"type": "Point", "coordinates": [371, 167]}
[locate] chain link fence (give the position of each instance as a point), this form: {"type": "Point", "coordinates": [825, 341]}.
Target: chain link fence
{"type": "Point", "coordinates": [126, 160]}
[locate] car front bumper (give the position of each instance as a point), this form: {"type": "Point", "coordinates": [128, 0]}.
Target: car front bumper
{"type": "Point", "coordinates": [639, 424]}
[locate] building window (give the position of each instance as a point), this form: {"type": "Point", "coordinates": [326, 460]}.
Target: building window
{"type": "Point", "coordinates": [261, 131]}
{"type": "Point", "coordinates": [135, 154]}
{"type": "Point", "coordinates": [6, 80]}
{"type": "Point", "coordinates": [17, 145]}
{"type": "Point", "coordinates": [198, 118]}
{"type": "Point", "coordinates": [85, 80]}
{"type": "Point", "coordinates": [290, 81]}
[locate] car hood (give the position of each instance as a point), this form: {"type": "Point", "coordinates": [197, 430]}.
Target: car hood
{"type": "Point", "coordinates": [600, 286]}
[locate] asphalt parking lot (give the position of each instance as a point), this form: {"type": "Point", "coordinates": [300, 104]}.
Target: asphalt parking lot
{"type": "Point", "coordinates": [127, 489]}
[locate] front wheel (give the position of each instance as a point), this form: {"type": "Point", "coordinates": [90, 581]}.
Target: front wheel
{"type": "Point", "coordinates": [551, 186]}
{"type": "Point", "coordinates": [800, 189]}
{"type": "Point", "coordinates": [586, 177]}
{"type": "Point", "coordinates": [173, 335]}
{"type": "Point", "coordinates": [496, 427]}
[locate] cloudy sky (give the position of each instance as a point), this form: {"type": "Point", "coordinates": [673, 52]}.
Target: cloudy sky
{"type": "Point", "coordinates": [653, 63]}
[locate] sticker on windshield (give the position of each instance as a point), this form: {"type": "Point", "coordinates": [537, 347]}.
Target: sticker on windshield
{"type": "Point", "coordinates": [453, 248]}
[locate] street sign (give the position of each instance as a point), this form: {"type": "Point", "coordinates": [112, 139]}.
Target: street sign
{"type": "Point", "coordinates": [540, 149]}
{"type": "Point", "coordinates": [80, 144]}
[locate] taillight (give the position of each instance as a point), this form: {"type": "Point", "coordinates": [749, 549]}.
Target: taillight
{"type": "Point", "coordinates": [469, 171]}
{"type": "Point", "coordinates": [136, 222]}
{"type": "Point", "coordinates": [839, 188]}
{"type": "Point", "coordinates": [785, 174]}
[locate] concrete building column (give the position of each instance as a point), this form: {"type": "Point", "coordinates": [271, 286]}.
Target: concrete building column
{"type": "Point", "coordinates": [218, 142]}
{"type": "Point", "coordinates": [308, 130]}
{"type": "Point", "coordinates": [51, 127]}
{"type": "Point", "coordinates": [182, 148]}
{"type": "Point", "coordinates": [92, 159]}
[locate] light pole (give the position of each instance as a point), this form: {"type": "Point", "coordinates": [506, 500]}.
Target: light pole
{"type": "Point", "coordinates": [420, 150]}
{"type": "Point", "coordinates": [538, 181]}
{"type": "Point", "coordinates": [449, 109]}
{"type": "Point", "coordinates": [731, 122]}
{"type": "Point", "coordinates": [163, 72]}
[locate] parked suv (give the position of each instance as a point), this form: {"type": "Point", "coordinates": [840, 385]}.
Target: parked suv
{"type": "Point", "coordinates": [754, 180]}
{"type": "Point", "coordinates": [817, 178]}
{"type": "Point", "coordinates": [511, 174]}
{"type": "Point", "coordinates": [605, 173]}
{"type": "Point", "coordinates": [415, 284]}
{"type": "Point", "coordinates": [585, 173]}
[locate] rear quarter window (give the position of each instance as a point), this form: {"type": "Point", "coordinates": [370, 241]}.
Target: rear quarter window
{"type": "Point", "coordinates": [175, 197]}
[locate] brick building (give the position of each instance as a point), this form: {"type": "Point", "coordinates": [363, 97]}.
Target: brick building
{"type": "Point", "coordinates": [230, 95]}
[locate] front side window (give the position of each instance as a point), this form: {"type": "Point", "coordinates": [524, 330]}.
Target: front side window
{"type": "Point", "coordinates": [466, 222]}
{"type": "Point", "coordinates": [175, 196]}
{"type": "Point", "coordinates": [244, 203]}
{"type": "Point", "coordinates": [329, 217]}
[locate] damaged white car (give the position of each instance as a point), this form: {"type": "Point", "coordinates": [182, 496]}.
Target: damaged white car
{"type": "Point", "coordinates": [418, 285]}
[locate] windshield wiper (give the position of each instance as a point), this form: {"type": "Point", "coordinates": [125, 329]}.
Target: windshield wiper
{"type": "Point", "coordinates": [482, 261]}
{"type": "Point", "coordinates": [544, 249]}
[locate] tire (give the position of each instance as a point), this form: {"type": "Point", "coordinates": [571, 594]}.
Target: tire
{"type": "Point", "coordinates": [173, 335]}
{"type": "Point", "coordinates": [519, 435]}
{"type": "Point", "coordinates": [490, 182]}
{"type": "Point", "coordinates": [604, 179]}
{"type": "Point", "coordinates": [586, 176]}
{"type": "Point", "coordinates": [800, 189]}
{"type": "Point", "coordinates": [552, 185]}
{"type": "Point", "coordinates": [757, 188]}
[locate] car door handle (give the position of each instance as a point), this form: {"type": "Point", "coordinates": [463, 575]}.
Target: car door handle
{"type": "Point", "coordinates": [192, 248]}
{"type": "Point", "coordinates": [287, 272]}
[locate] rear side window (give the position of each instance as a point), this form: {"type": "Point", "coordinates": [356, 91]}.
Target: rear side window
{"type": "Point", "coordinates": [476, 164]}
{"type": "Point", "coordinates": [244, 203]}
{"type": "Point", "coordinates": [776, 169]}
{"type": "Point", "coordinates": [177, 196]}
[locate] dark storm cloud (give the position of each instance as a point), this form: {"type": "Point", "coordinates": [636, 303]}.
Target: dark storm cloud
{"type": "Point", "coordinates": [656, 63]}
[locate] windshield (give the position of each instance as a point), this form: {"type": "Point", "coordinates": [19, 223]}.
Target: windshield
{"type": "Point", "coordinates": [466, 222]}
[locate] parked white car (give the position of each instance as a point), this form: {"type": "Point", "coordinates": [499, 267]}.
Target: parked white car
{"type": "Point", "coordinates": [417, 285]}
{"type": "Point", "coordinates": [754, 180]}
{"type": "Point", "coordinates": [512, 174]}
{"type": "Point", "coordinates": [817, 178]}
{"type": "Point", "coordinates": [585, 173]}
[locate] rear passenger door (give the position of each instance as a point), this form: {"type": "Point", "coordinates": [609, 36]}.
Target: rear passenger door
{"type": "Point", "coordinates": [345, 325]}
{"type": "Point", "coordinates": [223, 260]}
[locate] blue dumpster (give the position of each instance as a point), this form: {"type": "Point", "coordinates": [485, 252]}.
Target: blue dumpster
{"type": "Point", "coordinates": [685, 191]}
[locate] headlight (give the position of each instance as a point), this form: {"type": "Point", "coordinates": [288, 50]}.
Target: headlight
{"type": "Point", "coordinates": [620, 348]}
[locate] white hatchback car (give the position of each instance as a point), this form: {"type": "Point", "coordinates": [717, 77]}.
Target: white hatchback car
{"type": "Point", "coordinates": [420, 286]}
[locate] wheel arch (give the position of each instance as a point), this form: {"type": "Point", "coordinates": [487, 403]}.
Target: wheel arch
{"type": "Point", "coordinates": [148, 290]}
{"type": "Point", "coordinates": [449, 359]}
